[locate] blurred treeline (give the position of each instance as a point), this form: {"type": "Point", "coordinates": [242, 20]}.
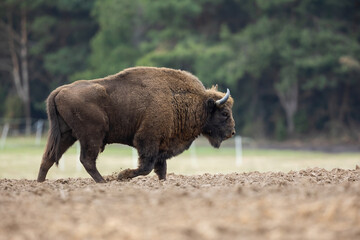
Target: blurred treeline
{"type": "Point", "coordinates": [292, 65]}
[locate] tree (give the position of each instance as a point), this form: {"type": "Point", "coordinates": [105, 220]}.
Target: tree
{"type": "Point", "coordinates": [296, 46]}
{"type": "Point", "coordinates": [55, 46]}
{"type": "Point", "coordinates": [292, 66]}
{"type": "Point", "coordinates": [17, 38]}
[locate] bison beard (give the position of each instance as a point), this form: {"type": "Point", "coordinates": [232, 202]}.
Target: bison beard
{"type": "Point", "coordinates": [158, 111]}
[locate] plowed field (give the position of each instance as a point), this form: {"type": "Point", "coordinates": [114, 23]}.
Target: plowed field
{"type": "Point", "coordinates": [307, 204]}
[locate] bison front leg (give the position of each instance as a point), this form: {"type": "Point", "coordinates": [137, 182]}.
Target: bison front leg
{"type": "Point", "coordinates": [160, 169]}
{"type": "Point", "coordinates": [146, 165]}
{"type": "Point", "coordinates": [147, 145]}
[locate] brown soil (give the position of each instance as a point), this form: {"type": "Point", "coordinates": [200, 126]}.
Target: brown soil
{"type": "Point", "coordinates": [308, 204]}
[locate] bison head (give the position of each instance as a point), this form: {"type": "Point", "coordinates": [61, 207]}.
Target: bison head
{"type": "Point", "coordinates": [220, 124]}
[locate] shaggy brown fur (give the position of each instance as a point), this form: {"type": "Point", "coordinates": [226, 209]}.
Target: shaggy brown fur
{"type": "Point", "coordinates": [159, 111]}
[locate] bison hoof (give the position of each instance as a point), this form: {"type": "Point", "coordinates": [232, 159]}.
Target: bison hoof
{"type": "Point", "coordinates": [124, 175]}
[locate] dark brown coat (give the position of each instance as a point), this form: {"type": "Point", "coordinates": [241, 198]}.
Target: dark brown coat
{"type": "Point", "coordinates": [159, 111]}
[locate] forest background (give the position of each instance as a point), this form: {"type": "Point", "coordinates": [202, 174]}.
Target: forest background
{"type": "Point", "coordinates": [292, 65]}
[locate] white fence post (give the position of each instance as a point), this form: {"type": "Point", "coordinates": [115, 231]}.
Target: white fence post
{"type": "Point", "coordinates": [134, 158]}
{"type": "Point", "coordinates": [39, 129]}
{"type": "Point", "coordinates": [62, 164]}
{"type": "Point", "coordinates": [4, 135]}
{"type": "Point", "coordinates": [194, 160]}
{"type": "Point", "coordinates": [78, 152]}
{"type": "Point", "coordinates": [238, 151]}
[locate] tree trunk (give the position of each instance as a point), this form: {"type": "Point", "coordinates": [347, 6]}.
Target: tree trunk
{"type": "Point", "coordinates": [20, 72]}
{"type": "Point", "coordinates": [25, 72]}
{"type": "Point", "coordinates": [14, 59]}
{"type": "Point", "coordinates": [289, 101]}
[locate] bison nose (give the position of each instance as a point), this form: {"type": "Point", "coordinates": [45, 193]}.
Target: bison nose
{"type": "Point", "coordinates": [233, 132]}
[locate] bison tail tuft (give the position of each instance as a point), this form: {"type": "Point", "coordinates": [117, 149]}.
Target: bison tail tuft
{"type": "Point", "coordinates": [52, 147]}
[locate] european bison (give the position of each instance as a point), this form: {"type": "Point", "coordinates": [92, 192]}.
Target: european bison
{"type": "Point", "coordinates": [158, 111]}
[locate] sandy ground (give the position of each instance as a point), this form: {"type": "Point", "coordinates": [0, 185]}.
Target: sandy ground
{"type": "Point", "coordinates": [307, 204]}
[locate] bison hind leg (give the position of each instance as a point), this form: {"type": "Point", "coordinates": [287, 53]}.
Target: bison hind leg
{"type": "Point", "coordinates": [46, 164]}
{"type": "Point", "coordinates": [65, 142]}
{"type": "Point", "coordinates": [89, 153]}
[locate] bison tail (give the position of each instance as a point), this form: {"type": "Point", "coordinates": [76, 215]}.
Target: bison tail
{"type": "Point", "coordinates": [52, 146]}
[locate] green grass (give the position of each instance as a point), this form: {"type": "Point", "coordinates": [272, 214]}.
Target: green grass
{"type": "Point", "coordinates": [20, 158]}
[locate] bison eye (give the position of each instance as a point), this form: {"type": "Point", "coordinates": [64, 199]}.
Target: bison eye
{"type": "Point", "coordinates": [225, 114]}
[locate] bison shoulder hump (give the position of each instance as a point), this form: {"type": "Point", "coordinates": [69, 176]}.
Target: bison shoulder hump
{"type": "Point", "coordinates": [100, 90]}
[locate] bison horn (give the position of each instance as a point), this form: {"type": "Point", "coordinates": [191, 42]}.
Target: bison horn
{"type": "Point", "coordinates": [224, 99]}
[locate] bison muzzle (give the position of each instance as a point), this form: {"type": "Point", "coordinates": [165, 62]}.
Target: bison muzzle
{"type": "Point", "coordinates": [158, 111]}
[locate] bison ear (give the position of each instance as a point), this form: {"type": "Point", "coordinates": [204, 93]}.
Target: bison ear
{"type": "Point", "coordinates": [215, 87]}
{"type": "Point", "coordinates": [210, 105]}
